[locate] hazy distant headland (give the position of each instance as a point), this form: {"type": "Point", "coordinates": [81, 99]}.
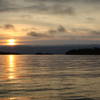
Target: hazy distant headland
{"type": "Point", "coordinates": [50, 50]}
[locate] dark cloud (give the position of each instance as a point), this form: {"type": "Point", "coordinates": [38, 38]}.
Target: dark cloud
{"type": "Point", "coordinates": [42, 7]}
{"type": "Point", "coordinates": [58, 9]}
{"type": "Point", "coordinates": [8, 27]}
{"type": "Point", "coordinates": [65, 1]}
{"type": "Point", "coordinates": [50, 33]}
{"type": "Point", "coordinates": [94, 1]}
{"type": "Point", "coordinates": [59, 30]}
{"type": "Point", "coordinates": [48, 0]}
{"type": "Point", "coordinates": [37, 35]}
{"type": "Point", "coordinates": [51, 9]}
{"type": "Point", "coordinates": [88, 32]}
{"type": "Point", "coordinates": [5, 5]}
{"type": "Point", "coordinates": [91, 32]}
{"type": "Point", "coordinates": [95, 32]}
{"type": "Point", "coordinates": [62, 6]}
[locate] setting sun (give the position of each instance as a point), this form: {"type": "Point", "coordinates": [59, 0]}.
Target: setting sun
{"type": "Point", "coordinates": [11, 42]}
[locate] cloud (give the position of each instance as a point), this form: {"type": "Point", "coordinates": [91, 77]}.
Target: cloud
{"type": "Point", "coordinates": [8, 27]}
{"type": "Point", "coordinates": [37, 35]}
{"type": "Point", "coordinates": [4, 5]}
{"type": "Point", "coordinates": [85, 32]}
{"type": "Point", "coordinates": [92, 32]}
{"type": "Point", "coordinates": [46, 6]}
{"type": "Point", "coordinates": [95, 32]}
{"type": "Point", "coordinates": [65, 1]}
{"type": "Point", "coordinates": [68, 7]}
{"type": "Point", "coordinates": [94, 1]}
{"type": "Point", "coordinates": [60, 30]}
{"type": "Point", "coordinates": [50, 6]}
{"type": "Point", "coordinates": [90, 19]}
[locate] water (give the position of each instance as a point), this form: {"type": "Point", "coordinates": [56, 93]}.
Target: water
{"type": "Point", "coordinates": [49, 77]}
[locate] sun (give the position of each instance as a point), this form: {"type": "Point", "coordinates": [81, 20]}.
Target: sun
{"type": "Point", "coordinates": [11, 42]}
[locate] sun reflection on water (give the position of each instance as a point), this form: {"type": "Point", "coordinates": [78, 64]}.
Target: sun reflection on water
{"type": "Point", "coordinates": [11, 68]}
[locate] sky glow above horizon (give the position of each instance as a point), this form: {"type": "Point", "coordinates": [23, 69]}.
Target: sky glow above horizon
{"type": "Point", "coordinates": [50, 22]}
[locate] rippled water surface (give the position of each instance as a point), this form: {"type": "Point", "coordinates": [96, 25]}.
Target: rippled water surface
{"type": "Point", "coordinates": [49, 77]}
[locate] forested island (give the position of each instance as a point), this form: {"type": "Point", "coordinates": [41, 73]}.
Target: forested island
{"type": "Point", "coordinates": [84, 51]}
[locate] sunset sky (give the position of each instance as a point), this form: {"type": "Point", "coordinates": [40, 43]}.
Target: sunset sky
{"type": "Point", "coordinates": [50, 22]}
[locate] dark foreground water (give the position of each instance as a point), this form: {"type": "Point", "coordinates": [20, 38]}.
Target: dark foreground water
{"type": "Point", "coordinates": [53, 77]}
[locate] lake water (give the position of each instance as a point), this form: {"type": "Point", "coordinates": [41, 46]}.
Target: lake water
{"type": "Point", "coordinates": [49, 77]}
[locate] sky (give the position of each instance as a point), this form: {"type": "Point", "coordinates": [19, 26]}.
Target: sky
{"type": "Point", "coordinates": [50, 22]}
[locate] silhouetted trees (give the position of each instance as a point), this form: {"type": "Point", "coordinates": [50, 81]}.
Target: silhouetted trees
{"type": "Point", "coordinates": [85, 51]}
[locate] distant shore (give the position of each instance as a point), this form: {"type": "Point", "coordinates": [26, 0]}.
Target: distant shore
{"type": "Point", "coordinates": [9, 53]}
{"type": "Point", "coordinates": [84, 51]}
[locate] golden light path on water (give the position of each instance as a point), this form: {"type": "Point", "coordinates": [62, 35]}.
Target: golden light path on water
{"type": "Point", "coordinates": [11, 67]}
{"type": "Point", "coordinates": [12, 74]}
